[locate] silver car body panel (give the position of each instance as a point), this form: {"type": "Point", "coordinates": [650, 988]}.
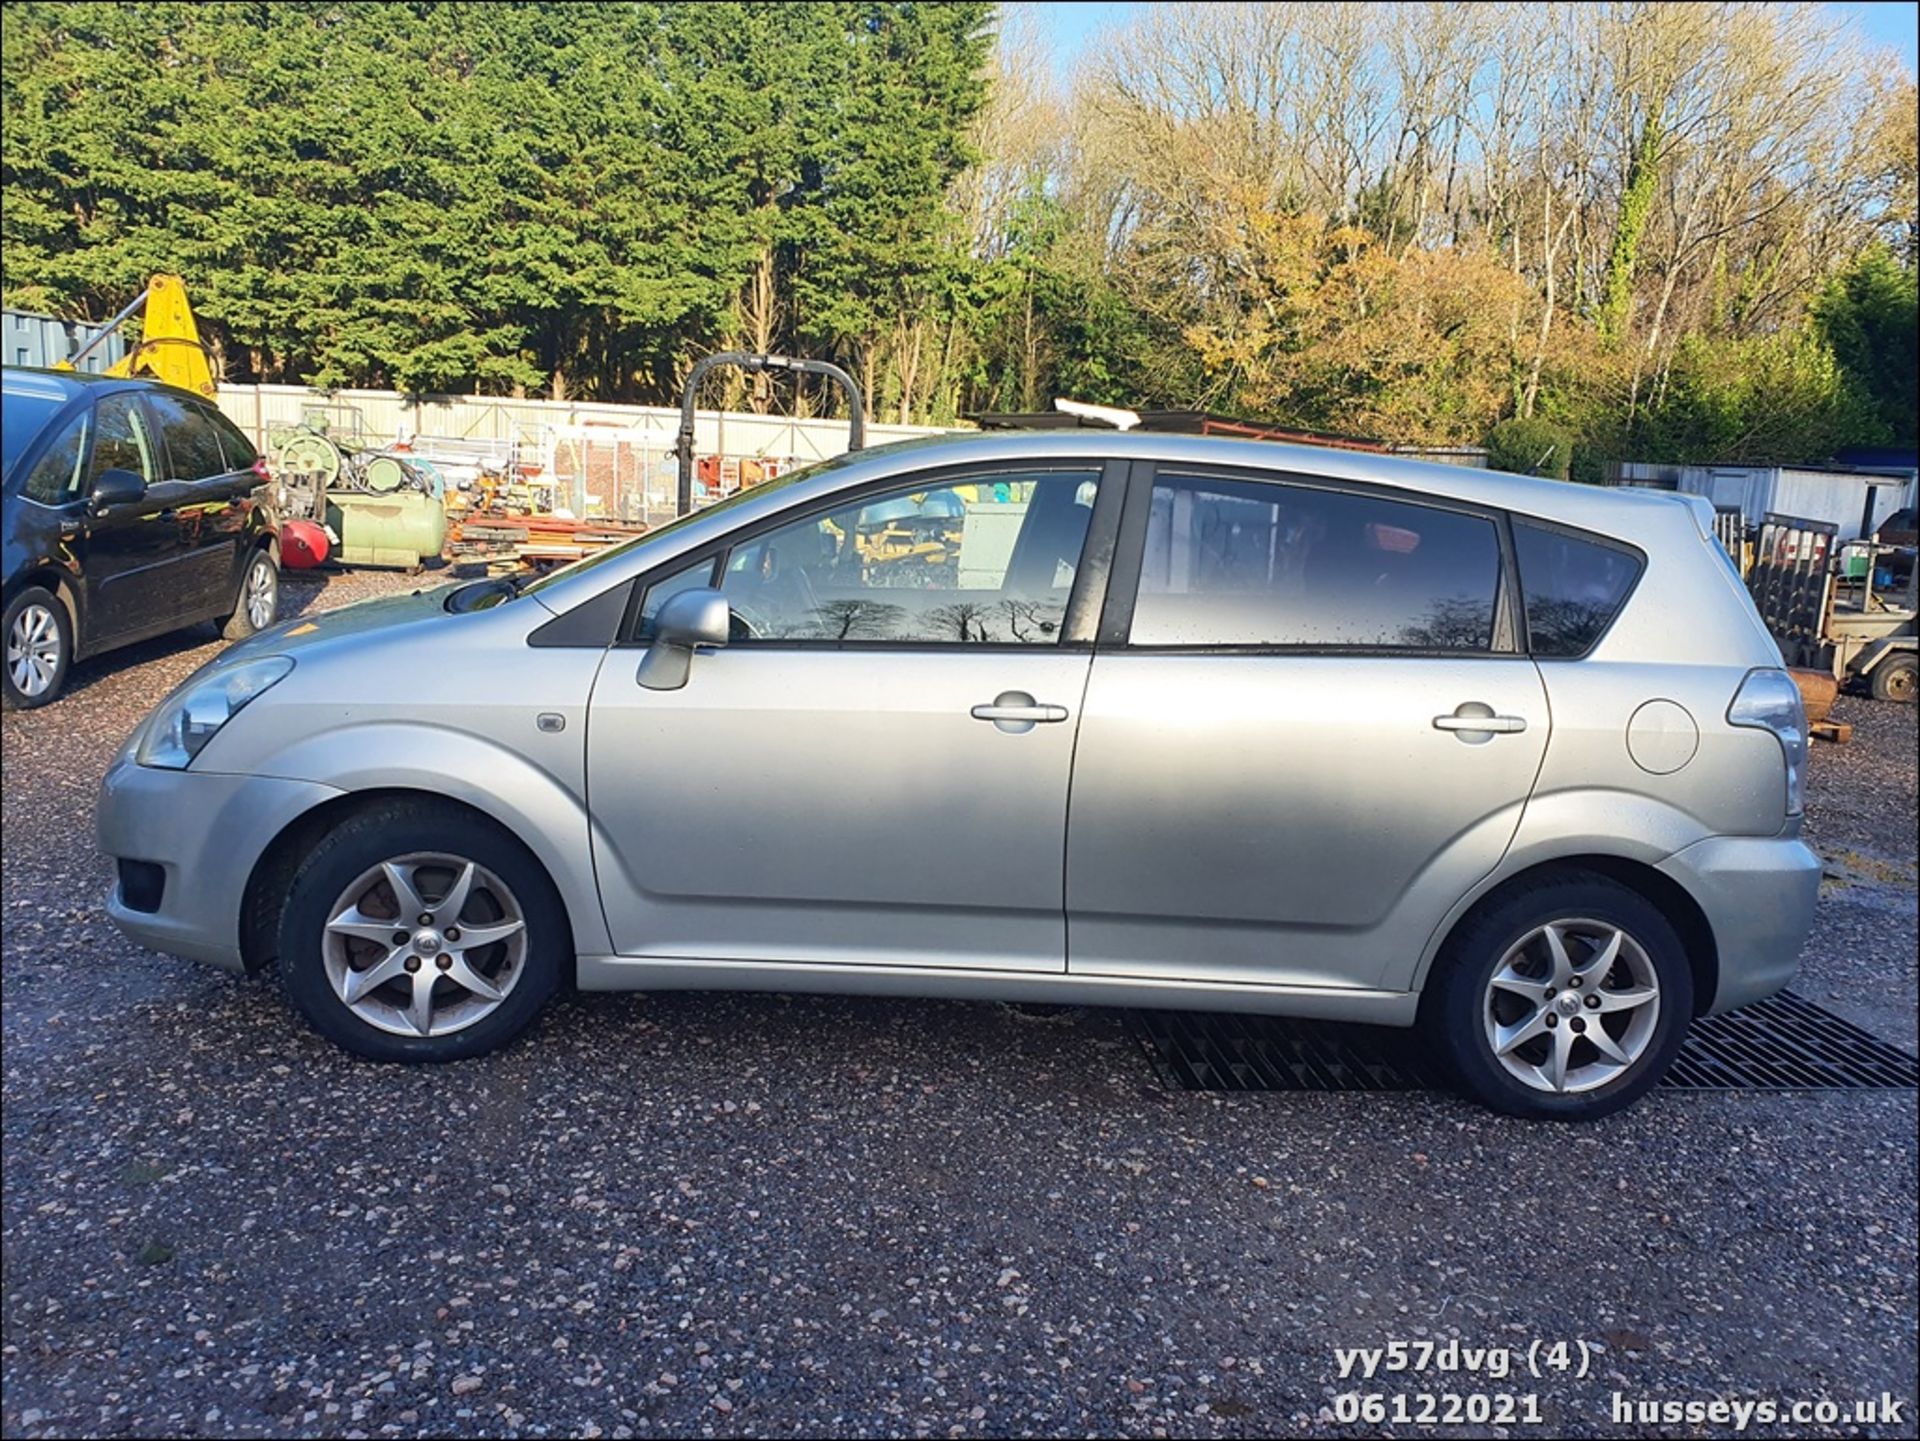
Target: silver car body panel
{"type": "Point", "coordinates": [1267, 831]}
{"type": "Point", "coordinates": [836, 807]}
{"type": "Point", "coordinates": [1286, 819]}
{"type": "Point", "coordinates": [204, 831]}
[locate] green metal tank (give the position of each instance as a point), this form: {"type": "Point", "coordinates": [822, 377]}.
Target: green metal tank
{"type": "Point", "coordinates": [398, 529]}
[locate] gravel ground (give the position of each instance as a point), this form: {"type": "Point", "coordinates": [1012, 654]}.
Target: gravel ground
{"type": "Point", "coordinates": [741, 1215]}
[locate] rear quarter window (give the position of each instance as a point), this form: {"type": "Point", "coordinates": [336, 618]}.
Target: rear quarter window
{"type": "Point", "coordinates": [1574, 586]}
{"type": "Point", "coordinates": [193, 445]}
{"type": "Point", "coordinates": [237, 450]}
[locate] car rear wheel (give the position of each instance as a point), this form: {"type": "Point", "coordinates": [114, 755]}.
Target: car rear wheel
{"type": "Point", "coordinates": [258, 603]}
{"type": "Point", "coordinates": [421, 933]}
{"type": "Point", "coordinates": [1567, 1000]}
{"type": "Point", "coordinates": [39, 648]}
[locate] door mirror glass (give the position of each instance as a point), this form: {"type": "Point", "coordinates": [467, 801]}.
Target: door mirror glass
{"type": "Point", "coordinates": [691, 618]}
{"type": "Point", "coordinates": [116, 488]}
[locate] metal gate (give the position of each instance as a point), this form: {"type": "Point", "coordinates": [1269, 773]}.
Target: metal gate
{"type": "Point", "coordinates": [1789, 582]}
{"type": "Point", "coordinates": [1730, 525]}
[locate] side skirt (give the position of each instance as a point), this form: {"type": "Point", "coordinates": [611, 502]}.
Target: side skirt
{"type": "Point", "coordinates": [676, 973]}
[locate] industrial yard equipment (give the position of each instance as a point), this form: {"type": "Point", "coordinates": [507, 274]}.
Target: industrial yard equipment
{"type": "Point", "coordinates": [170, 347]}
{"type": "Point", "coordinates": [378, 508]}
{"type": "Point", "coordinates": [683, 444]}
{"type": "Point", "coordinates": [1827, 607]}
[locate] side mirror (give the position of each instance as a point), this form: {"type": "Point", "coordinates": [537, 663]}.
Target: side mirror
{"type": "Point", "coordinates": [691, 618]}
{"type": "Point", "coordinates": [115, 488]}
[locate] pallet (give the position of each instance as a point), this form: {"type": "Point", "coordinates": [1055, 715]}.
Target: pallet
{"type": "Point", "coordinates": [1839, 732]}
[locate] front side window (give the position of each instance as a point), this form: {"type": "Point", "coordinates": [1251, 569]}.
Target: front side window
{"type": "Point", "coordinates": [1573, 587]}
{"type": "Point", "coordinates": [122, 441]}
{"type": "Point", "coordinates": [193, 446]}
{"type": "Point", "coordinates": [56, 476]}
{"type": "Point", "coordinates": [977, 562]}
{"type": "Point", "coordinates": [1260, 564]}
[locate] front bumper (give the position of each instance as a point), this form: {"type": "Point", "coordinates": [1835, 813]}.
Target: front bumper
{"type": "Point", "coordinates": [206, 832]}
{"type": "Point", "coordinates": [1758, 894]}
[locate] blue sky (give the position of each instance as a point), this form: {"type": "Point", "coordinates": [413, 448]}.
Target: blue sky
{"type": "Point", "coordinates": [1070, 24]}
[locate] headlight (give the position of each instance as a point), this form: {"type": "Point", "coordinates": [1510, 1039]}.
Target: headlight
{"type": "Point", "coordinates": [193, 715]}
{"type": "Point", "coordinates": [1769, 700]}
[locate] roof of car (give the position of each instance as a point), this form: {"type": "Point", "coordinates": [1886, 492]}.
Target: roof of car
{"type": "Point", "coordinates": [1525, 494]}
{"type": "Point", "coordinates": [66, 384]}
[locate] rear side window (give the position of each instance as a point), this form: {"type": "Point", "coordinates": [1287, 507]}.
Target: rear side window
{"type": "Point", "coordinates": [193, 446]}
{"type": "Point", "coordinates": [1574, 587]}
{"type": "Point", "coordinates": [234, 445]}
{"type": "Point", "coordinates": [1253, 563]}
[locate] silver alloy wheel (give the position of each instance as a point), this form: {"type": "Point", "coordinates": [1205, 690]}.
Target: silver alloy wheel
{"type": "Point", "coordinates": [1572, 1005]}
{"type": "Point", "coordinates": [425, 944]}
{"type": "Point", "coordinates": [33, 650]}
{"type": "Point", "coordinates": [260, 593]}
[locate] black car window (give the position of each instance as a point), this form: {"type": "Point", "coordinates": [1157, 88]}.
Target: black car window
{"type": "Point", "coordinates": [234, 445]}
{"type": "Point", "coordinates": [121, 440]}
{"type": "Point", "coordinates": [1573, 587]}
{"type": "Point", "coordinates": [193, 445]}
{"type": "Point", "coordinates": [56, 476]}
{"type": "Point", "coordinates": [1256, 563]}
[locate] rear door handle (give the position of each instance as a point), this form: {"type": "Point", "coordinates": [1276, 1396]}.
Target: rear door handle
{"type": "Point", "coordinates": [1014, 711]}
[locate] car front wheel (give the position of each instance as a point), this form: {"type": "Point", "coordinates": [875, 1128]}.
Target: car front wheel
{"type": "Point", "coordinates": [1567, 1000]}
{"type": "Point", "coordinates": [39, 648]}
{"type": "Point", "coordinates": [421, 933]}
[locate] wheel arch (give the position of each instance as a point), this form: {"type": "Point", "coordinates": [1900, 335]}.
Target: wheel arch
{"type": "Point", "coordinates": [273, 871]}
{"type": "Point", "coordinates": [1672, 899]}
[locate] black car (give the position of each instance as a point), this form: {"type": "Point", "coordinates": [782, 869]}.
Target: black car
{"type": "Point", "coordinates": [131, 509]}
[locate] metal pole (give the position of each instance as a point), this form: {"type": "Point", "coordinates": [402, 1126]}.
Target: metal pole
{"type": "Point", "coordinates": [133, 305]}
{"type": "Point", "coordinates": [683, 440]}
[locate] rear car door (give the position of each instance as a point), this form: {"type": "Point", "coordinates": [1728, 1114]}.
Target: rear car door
{"type": "Point", "coordinates": [1279, 776]}
{"type": "Point", "coordinates": [210, 494]}
{"type": "Point", "coordinates": [874, 771]}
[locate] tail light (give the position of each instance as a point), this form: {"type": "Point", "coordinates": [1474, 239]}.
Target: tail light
{"type": "Point", "coordinates": [1769, 700]}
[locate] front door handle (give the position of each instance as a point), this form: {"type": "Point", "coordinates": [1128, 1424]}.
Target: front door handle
{"type": "Point", "coordinates": [1015, 712]}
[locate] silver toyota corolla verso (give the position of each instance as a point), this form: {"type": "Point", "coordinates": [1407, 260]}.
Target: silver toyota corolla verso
{"type": "Point", "coordinates": [1125, 720]}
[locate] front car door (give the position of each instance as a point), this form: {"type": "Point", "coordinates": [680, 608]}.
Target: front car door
{"type": "Point", "coordinates": [1278, 777]}
{"type": "Point", "coordinates": [875, 769]}
{"type": "Point", "coordinates": [131, 555]}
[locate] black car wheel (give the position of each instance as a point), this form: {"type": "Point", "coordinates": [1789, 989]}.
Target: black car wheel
{"type": "Point", "coordinates": [258, 603]}
{"type": "Point", "coordinates": [39, 648]}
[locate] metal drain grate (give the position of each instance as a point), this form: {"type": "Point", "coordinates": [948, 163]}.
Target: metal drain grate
{"type": "Point", "coordinates": [1784, 1043]}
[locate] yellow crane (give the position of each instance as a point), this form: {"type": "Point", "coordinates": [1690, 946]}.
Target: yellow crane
{"type": "Point", "coordinates": [170, 347]}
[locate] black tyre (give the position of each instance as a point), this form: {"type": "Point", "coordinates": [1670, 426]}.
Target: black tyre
{"type": "Point", "coordinates": [258, 604]}
{"type": "Point", "coordinates": [421, 932]}
{"type": "Point", "coordinates": [39, 648]}
{"type": "Point", "coordinates": [1896, 678]}
{"type": "Point", "coordinates": [1566, 1000]}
